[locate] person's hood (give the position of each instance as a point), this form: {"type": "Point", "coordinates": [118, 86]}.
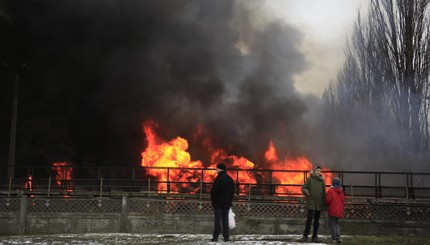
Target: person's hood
{"type": "Point", "coordinates": [312, 172]}
{"type": "Point", "coordinates": [336, 189]}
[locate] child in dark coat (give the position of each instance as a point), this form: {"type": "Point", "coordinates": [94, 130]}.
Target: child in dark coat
{"type": "Point", "coordinates": [335, 201]}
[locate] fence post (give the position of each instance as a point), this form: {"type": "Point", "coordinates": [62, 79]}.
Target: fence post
{"type": "Point", "coordinates": [10, 186]}
{"type": "Point", "coordinates": [272, 186]}
{"type": "Point", "coordinates": [101, 186]}
{"type": "Point", "coordinates": [407, 193]}
{"type": "Point", "coordinates": [22, 215]}
{"type": "Point", "coordinates": [202, 176]}
{"type": "Point", "coordinates": [49, 185]}
{"type": "Point", "coordinates": [201, 188]}
{"type": "Point", "coordinates": [123, 226]}
{"type": "Point", "coordinates": [149, 186]}
{"type": "Point", "coordinates": [376, 186]}
{"type": "Point", "coordinates": [168, 180]}
{"type": "Point", "coordinates": [411, 187]}
{"type": "Point", "coordinates": [237, 183]}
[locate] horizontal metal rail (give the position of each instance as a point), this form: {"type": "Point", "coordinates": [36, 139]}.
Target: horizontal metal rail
{"type": "Point", "coordinates": [264, 184]}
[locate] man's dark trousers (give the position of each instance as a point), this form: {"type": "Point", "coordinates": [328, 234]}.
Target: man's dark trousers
{"type": "Point", "coordinates": [221, 214]}
{"type": "Point", "coordinates": [315, 215]}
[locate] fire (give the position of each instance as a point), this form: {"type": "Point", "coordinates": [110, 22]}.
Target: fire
{"type": "Point", "coordinates": [29, 183]}
{"type": "Point", "coordinates": [294, 180]}
{"type": "Point", "coordinates": [161, 154]}
{"type": "Point", "coordinates": [173, 154]}
{"type": "Point", "coordinates": [244, 177]}
{"type": "Point", "coordinates": [271, 155]}
{"type": "Point", "coordinates": [219, 155]}
{"type": "Point", "coordinates": [63, 175]}
{"type": "Point", "coordinates": [169, 154]}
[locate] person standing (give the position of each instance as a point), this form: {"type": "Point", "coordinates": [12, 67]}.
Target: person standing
{"type": "Point", "coordinates": [314, 191]}
{"type": "Point", "coordinates": [335, 201]}
{"type": "Point", "coordinates": [222, 193]}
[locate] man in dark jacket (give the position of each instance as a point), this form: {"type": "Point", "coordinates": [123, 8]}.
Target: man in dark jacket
{"type": "Point", "coordinates": [314, 191]}
{"type": "Point", "coordinates": [222, 193]}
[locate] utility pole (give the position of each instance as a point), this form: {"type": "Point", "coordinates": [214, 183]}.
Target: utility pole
{"type": "Point", "coordinates": [13, 123]}
{"type": "Point", "coordinates": [12, 142]}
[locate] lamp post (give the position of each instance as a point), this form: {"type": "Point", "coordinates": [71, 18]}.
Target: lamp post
{"type": "Point", "coordinates": [12, 142]}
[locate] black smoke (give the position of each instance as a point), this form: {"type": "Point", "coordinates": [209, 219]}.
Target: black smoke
{"type": "Point", "coordinates": [96, 70]}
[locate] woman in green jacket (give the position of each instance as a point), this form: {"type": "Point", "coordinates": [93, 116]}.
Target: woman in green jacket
{"type": "Point", "coordinates": [314, 191]}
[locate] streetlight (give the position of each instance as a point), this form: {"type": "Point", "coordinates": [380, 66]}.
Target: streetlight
{"type": "Point", "coordinates": [12, 142]}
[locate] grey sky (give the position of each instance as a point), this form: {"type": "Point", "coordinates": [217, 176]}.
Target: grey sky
{"type": "Point", "coordinates": [325, 25]}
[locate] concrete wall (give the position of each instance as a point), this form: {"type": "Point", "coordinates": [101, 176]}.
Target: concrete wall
{"type": "Point", "coordinates": [8, 223]}
{"type": "Point", "coordinates": [59, 223]}
{"type": "Point", "coordinates": [21, 221]}
{"type": "Point", "coordinates": [203, 224]}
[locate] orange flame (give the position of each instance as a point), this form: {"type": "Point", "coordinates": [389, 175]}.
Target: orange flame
{"type": "Point", "coordinates": [271, 155]}
{"type": "Point", "coordinates": [29, 183]}
{"type": "Point", "coordinates": [243, 178]}
{"type": "Point", "coordinates": [169, 154]}
{"type": "Point", "coordinates": [161, 154]}
{"type": "Point", "coordinates": [293, 180]}
{"type": "Point", "coordinates": [63, 175]}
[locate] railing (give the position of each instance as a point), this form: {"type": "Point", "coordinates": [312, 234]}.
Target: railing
{"type": "Point", "coordinates": [106, 181]}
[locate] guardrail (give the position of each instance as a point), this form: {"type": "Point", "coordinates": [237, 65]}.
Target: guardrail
{"type": "Point", "coordinates": [106, 181]}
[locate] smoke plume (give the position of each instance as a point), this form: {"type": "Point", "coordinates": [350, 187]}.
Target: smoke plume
{"type": "Point", "coordinates": [98, 69]}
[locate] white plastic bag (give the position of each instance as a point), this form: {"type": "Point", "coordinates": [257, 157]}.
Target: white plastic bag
{"type": "Point", "coordinates": [231, 221]}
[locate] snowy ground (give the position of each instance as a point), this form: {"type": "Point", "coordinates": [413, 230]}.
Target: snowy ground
{"type": "Point", "coordinates": [123, 238]}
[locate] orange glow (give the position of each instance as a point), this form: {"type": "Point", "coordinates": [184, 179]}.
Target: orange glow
{"type": "Point", "coordinates": [63, 175]}
{"type": "Point", "coordinates": [271, 155]}
{"type": "Point", "coordinates": [29, 183]}
{"type": "Point", "coordinates": [161, 154]}
{"type": "Point", "coordinates": [295, 179]}
{"type": "Point", "coordinates": [243, 163]}
{"type": "Point", "coordinates": [171, 154]}
{"type": "Point", "coordinates": [243, 177]}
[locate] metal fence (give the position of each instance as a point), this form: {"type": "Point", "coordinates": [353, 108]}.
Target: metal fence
{"type": "Point", "coordinates": [154, 207]}
{"type": "Point", "coordinates": [110, 181]}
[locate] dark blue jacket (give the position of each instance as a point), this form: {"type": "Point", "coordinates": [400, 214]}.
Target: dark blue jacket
{"type": "Point", "coordinates": [222, 191]}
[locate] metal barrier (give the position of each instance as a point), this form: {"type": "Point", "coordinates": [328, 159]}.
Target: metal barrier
{"type": "Point", "coordinates": [111, 181]}
{"type": "Point", "coordinates": [153, 206]}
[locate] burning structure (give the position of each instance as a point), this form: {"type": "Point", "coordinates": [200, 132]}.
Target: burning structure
{"type": "Point", "coordinates": [173, 153]}
{"type": "Point", "coordinates": [169, 165]}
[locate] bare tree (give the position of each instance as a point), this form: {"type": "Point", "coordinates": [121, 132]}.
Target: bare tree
{"type": "Point", "coordinates": [384, 82]}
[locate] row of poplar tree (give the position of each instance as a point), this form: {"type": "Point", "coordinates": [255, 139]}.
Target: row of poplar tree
{"type": "Point", "coordinates": [379, 100]}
